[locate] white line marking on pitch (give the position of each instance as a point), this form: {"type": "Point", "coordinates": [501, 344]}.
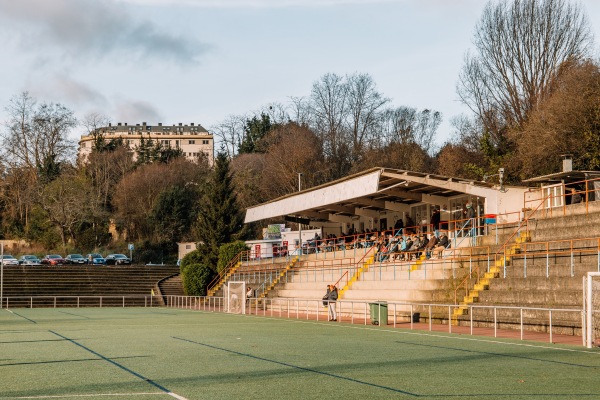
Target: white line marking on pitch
{"type": "Point", "coordinates": [91, 395]}
{"type": "Point", "coordinates": [176, 396]}
{"type": "Point", "coordinates": [404, 331]}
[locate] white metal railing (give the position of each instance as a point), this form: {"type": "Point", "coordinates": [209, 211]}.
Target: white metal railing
{"type": "Point", "coordinates": [400, 313]}
{"type": "Point", "coordinates": [356, 312]}
{"type": "Point", "coordinates": [79, 301]}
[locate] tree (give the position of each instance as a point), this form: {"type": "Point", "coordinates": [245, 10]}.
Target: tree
{"type": "Point", "coordinates": [150, 151]}
{"type": "Point", "coordinates": [136, 196]}
{"type": "Point", "coordinates": [255, 130]}
{"type": "Point", "coordinates": [33, 145]}
{"type": "Point", "coordinates": [329, 107]}
{"type": "Point", "coordinates": [567, 122]}
{"type": "Point", "coordinates": [66, 202]}
{"type": "Point", "coordinates": [519, 48]}
{"type": "Point", "coordinates": [407, 125]}
{"type": "Point", "coordinates": [230, 133]}
{"type": "Point", "coordinates": [408, 156]}
{"type": "Point", "coordinates": [174, 212]}
{"type": "Point", "coordinates": [365, 104]}
{"type": "Point", "coordinates": [36, 133]}
{"type": "Point", "coordinates": [291, 149]}
{"type": "Point", "coordinates": [346, 114]}
{"type": "Point", "coordinates": [220, 220]}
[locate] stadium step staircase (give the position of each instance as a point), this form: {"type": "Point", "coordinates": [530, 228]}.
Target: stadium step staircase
{"type": "Point", "coordinates": [494, 272]}
{"type": "Point", "coordinates": [418, 262]}
{"type": "Point", "coordinates": [283, 273]}
{"type": "Point", "coordinates": [218, 286]}
{"type": "Point", "coordinates": [366, 264]}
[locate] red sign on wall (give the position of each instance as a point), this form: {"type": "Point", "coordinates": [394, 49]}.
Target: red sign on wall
{"type": "Point", "coordinates": [257, 250]}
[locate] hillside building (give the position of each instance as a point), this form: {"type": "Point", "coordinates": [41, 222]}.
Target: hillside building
{"type": "Point", "coordinates": [192, 139]}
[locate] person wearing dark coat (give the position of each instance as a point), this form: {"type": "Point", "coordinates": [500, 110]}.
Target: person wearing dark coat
{"type": "Point", "coordinates": [442, 244]}
{"type": "Point", "coordinates": [435, 222]}
{"type": "Point", "coordinates": [331, 296]}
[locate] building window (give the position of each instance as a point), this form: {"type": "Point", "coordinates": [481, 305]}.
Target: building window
{"type": "Point", "coordinates": [165, 142]}
{"type": "Point", "coordinates": [191, 142]}
{"type": "Point", "coordinates": [205, 142]}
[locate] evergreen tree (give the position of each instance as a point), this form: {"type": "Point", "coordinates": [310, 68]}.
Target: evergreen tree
{"type": "Point", "coordinates": [144, 151]}
{"type": "Point", "coordinates": [220, 220]}
{"type": "Point", "coordinates": [255, 130]}
{"type": "Point", "coordinates": [174, 213]}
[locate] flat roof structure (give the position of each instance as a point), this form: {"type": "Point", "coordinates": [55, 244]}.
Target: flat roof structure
{"type": "Point", "coordinates": [381, 189]}
{"type": "Point", "coordinates": [564, 177]}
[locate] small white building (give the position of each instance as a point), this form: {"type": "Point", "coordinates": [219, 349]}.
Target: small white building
{"type": "Point", "coordinates": [185, 248]}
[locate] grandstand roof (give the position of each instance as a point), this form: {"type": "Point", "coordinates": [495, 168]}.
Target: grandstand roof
{"type": "Point", "coordinates": [567, 177]}
{"type": "Point", "coordinates": [375, 189]}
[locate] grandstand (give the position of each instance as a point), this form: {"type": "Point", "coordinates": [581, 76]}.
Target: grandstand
{"type": "Point", "coordinates": [518, 265]}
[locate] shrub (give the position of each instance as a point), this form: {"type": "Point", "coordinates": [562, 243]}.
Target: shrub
{"type": "Point", "coordinates": [194, 257]}
{"type": "Point", "coordinates": [196, 278]}
{"type": "Point", "coordinates": [227, 252]}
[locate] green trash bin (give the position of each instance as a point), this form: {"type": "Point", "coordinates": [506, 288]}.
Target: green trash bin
{"type": "Point", "coordinates": [379, 313]}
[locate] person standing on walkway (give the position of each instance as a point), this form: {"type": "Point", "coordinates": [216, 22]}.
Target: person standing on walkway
{"type": "Point", "coordinates": [249, 293]}
{"type": "Point", "coordinates": [332, 296]}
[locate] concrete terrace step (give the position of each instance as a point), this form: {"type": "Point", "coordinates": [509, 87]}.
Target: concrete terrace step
{"type": "Point", "coordinates": [83, 280]}
{"type": "Point", "coordinates": [532, 298]}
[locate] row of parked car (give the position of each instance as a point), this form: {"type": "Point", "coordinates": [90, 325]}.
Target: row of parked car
{"type": "Point", "coordinates": [57, 259]}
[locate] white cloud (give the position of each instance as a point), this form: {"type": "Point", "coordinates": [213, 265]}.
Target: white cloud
{"type": "Point", "coordinates": [76, 92]}
{"type": "Point", "coordinates": [78, 30]}
{"type": "Point", "coordinates": [136, 110]}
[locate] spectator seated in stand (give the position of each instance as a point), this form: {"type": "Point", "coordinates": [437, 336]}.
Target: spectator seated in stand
{"type": "Point", "coordinates": [383, 249]}
{"type": "Point", "coordinates": [400, 248]}
{"type": "Point", "coordinates": [422, 245]}
{"type": "Point", "coordinates": [442, 245]}
{"type": "Point", "coordinates": [408, 242]}
{"type": "Point", "coordinates": [412, 251]}
{"type": "Point", "coordinates": [330, 242]}
{"type": "Point", "coordinates": [340, 242]}
{"type": "Point", "coordinates": [433, 241]}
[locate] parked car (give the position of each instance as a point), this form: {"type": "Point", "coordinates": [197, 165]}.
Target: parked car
{"type": "Point", "coordinates": [53, 259]}
{"type": "Point", "coordinates": [117, 259]}
{"type": "Point", "coordinates": [30, 260]}
{"type": "Point", "coordinates": [95, 259]}
{"type": "Point", "coordinates": [75, 259]}
{"type": "Point", "coordinates": [7, 259]}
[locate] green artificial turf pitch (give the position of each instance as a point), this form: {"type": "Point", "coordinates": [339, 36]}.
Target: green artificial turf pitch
{"type": "Point", "coordinates": [161, 353]}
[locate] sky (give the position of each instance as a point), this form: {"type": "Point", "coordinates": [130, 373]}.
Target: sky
{"type": "Point", "coordinates": [201, 61]}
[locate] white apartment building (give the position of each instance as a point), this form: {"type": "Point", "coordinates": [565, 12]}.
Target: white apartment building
{"type": "Point", "coordinates": [191, 139]}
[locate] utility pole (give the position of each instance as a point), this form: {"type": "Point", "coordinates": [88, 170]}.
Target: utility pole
{"type": "Point", "coordinates": [1, 274]}
{"type": "Point", "coordinates": [299, 224]}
